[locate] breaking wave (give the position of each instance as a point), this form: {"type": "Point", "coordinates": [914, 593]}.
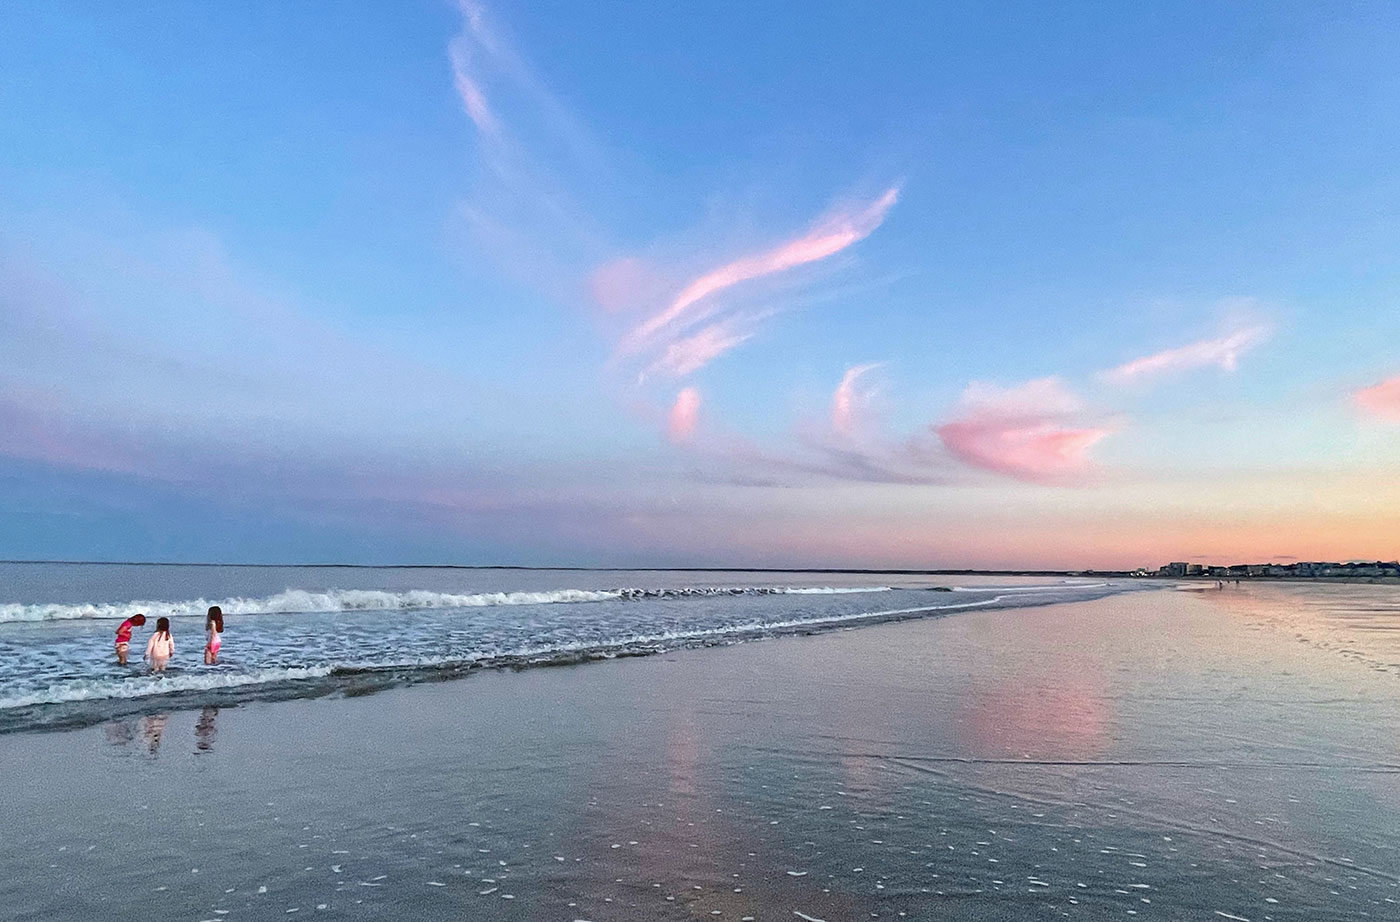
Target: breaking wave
{"type": "Point", "coordinates": [300, 601]}
{"type": "Point", "coordinates": [171, 684]}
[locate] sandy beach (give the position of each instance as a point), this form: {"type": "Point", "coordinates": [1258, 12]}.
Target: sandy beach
{"type": "Point", "coordinates": [1167, 754]}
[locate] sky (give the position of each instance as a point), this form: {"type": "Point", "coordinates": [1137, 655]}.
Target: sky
{"type": "Point", "coordinates": [987, 285]}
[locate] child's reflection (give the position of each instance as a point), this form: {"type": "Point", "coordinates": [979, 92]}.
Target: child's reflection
{"type": "Point", "coordinates": [119, 732]}
{"type": "Point", "coordinates": [153, 729]}
{"type": "Point", "coordinates": [205, 729]}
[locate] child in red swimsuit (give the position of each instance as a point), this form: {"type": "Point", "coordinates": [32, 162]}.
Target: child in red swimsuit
{"type": "Point", "coordinates": [124, 636]}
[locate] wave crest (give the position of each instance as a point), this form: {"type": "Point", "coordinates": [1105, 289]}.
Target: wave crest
{"type": "Point", "coordinates": [302, 601]}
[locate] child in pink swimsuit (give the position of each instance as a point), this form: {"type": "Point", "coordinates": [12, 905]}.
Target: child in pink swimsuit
{"type": "Point", "coordinates": [214, 627]}
{"type": "Point", "coordinates": [161, 646]}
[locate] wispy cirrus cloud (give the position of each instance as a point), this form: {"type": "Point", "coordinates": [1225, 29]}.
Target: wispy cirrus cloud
{"type": "Point", "coordinates": [524, 210]}
{"type": "Point", "coordinates": [462, 52]}
{"type": "Point", "coordinates": [1223, 352]}
{"type": "Point", "coordinates": [849, 398]}
{"type": "Point", "coordinates": [690, 353]}
{"type": "Point", "coordinates": [1381, 401]}
{"type": "Point", "coordinates": [693, 303]}
{"type": "Point", "coordinates": [538, 161]}
{"type": "Point", "coordinates": [482, 57]}
{"type": "Point", "coordinates": [1029, 432]}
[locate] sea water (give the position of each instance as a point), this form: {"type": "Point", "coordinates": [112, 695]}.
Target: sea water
{"type": "Point", "coordinates": [295, 631]}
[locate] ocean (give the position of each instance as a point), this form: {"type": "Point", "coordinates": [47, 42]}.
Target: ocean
{"type": "Point", "coordinates": [737, 747]}
{"type": "Point", "coordinates": [299, 631]}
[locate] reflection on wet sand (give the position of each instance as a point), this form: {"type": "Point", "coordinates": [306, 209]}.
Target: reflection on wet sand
{"type": "Point", "coordinates": [122, 733]}
{"type": "Point", "coordinates": [119, 732]}
{"type": "Point", "coordinates": [1045, 716]}
{"type": "Point", "coordinates": [205, 730]}
{"type": "Point", "coordinates": [701, 836]}
{"type": "Point", "coordinates": [153, 731]}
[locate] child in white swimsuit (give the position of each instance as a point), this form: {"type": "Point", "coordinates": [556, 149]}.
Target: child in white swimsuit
{"type": "Point", "coordinates": [161, 646]}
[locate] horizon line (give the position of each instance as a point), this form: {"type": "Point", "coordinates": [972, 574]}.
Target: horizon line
{"type": "Point", "coordinates": [945, 571]}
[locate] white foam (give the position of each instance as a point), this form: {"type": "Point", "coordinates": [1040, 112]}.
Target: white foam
{"type": "Point", "coordinates": [299, 601]}
{"type": "Point", "coordinates": [665, 639]}
{"type": "Point", "coordinates": [164, 684]}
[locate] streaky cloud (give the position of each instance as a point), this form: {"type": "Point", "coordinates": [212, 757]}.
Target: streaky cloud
{"type": "Point", "coordinates": [473, 99]}
{"type": "Point", "coordinates": [690, 353]}
{"type": "Point", "coordinates": [533, 158]}
{"type": "Point", "coordinates": [848, 398]}
{"type": "Point", "coordinates": [828, 237]}
{"type": "Point", "coordinates": [1223, 352]}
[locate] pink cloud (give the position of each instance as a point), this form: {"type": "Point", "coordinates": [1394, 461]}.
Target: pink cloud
{"type": "Point", "coordinates": [685, 413]}
{"type": "Point", "coordinates": [828, 237]}
{"type": "Point", "coordinates": [848, 398]}
{"type": "Point", "coordinates": [1022, 432]}
{"type": "Point", "coordinates": [1223, 352]}
{"type": "Point", "coordinates": [1381, 400]}
{"type": "Point", "coordinates": [691, 353]}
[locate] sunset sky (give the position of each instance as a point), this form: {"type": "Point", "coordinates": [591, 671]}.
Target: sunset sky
{"type": "Point", "coordinates": [629, 283]}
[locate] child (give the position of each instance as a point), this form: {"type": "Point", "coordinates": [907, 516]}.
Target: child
{"type": "Point", "coordinates": [214, 627]}
{"type": "Point", "coordinates": [161, 646]}
{"type": "Point", "coordinates": [124, 636]}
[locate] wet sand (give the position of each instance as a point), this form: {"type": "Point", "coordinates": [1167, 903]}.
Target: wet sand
{"type": "Point", "coordinates": [1166, 755]}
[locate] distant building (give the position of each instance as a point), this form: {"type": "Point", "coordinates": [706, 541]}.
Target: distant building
{"type": "Point", "coordinates": [1315, 569]}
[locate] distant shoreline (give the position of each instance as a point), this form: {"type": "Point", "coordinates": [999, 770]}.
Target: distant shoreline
{"type": "Point", "coordinates": [1382, 580]}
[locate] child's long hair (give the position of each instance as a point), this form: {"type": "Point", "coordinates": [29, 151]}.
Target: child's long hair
{"type": "Point", "coordinates": [214, 619]}
{"type": "Point", "coordinates": [163, 626]}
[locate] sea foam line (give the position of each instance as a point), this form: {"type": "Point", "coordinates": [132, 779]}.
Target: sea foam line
{"type": "Point", "coordinates": [302, 601]}
{"type": "Point", "coordinates": [152, 685]}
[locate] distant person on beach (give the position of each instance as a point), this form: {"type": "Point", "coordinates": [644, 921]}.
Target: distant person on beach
{"type": "Point", "coordinates": [214, 627]}
{"type": "Point", "coordinates": [161, 646]}
{"type": "Point", "coordinates": [124, 636]}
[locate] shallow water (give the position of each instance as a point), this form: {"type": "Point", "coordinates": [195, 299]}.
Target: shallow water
{"type": "Point", "coordinates": [1358, 621]}
{"type": "Point", "coordinates": [338, 629]}
{"type": "Point", "coordinates": [1148, 755]}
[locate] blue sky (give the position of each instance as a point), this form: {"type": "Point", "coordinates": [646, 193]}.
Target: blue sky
{"type": "Point", "coordinates": [943, 285]}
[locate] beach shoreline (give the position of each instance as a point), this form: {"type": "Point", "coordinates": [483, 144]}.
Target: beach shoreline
{"type": "Point", "coordinates": [1082, 758]}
